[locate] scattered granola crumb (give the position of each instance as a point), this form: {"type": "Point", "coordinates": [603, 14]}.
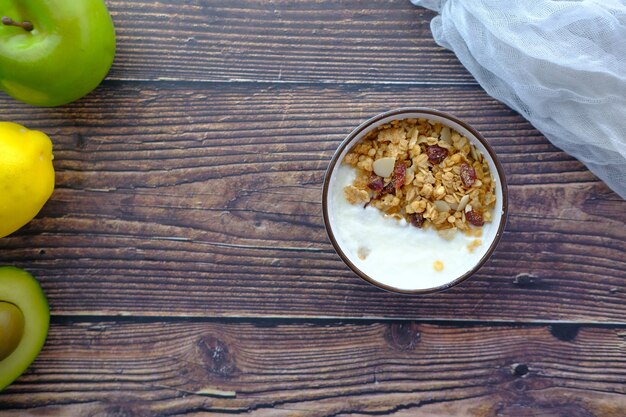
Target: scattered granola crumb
{"type": "Point", "coordinates": [363, 252]}
{"type": "Point", "coordinates": [474, 232]}
{"type": "Point", "coordinates": [438, 265]}
{"type": "Point", "coordinates": [474, 244]}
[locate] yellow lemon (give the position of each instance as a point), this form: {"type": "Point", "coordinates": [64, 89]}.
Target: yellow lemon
{"type": "Point", "coordinates": [26, 175]}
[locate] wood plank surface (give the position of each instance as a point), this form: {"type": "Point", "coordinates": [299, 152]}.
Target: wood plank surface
{"type": "Point", "coordinates": [374, 41]}
{"type": "Point", "coordinates": [203, 199]}
{"type": "Point", "coordinates": [186, 262]}
{"type": "Point", "coordinates": [154, 368]}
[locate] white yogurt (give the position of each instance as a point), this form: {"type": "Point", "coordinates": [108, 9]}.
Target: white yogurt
{"type": "Point", "coordinates": [398, 254]}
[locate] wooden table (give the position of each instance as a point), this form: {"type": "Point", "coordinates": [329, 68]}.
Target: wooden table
{"type": "Point", "coordinates": [185, 258]}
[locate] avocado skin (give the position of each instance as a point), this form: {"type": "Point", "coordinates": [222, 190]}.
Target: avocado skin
{"type": "Point", "coordinates": [22, 289]}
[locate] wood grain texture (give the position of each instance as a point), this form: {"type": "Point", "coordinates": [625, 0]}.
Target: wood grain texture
{"type": "Point", "coordinates": [322, 369]}
{"type": "Point", "coordinates": [376, 41]}
{"type": "Point", "coordinates": [188, 198]}
{"type": "Point", "coordinates": [204, 200]}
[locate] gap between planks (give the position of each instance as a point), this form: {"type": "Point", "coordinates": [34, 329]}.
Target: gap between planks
{"type": "Point", "coordinates": [175, 80]}
{"type": "Point", "coordinates": [274, 320]}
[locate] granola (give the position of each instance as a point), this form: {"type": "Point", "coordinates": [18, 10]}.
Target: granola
{"type": "Point", "coordinates": [424, 172]}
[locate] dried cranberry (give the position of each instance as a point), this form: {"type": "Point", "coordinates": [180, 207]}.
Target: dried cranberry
{"type": "Point", "coordinates": [399, 172]}
{"type": "Point", "coordinates": [387, 189]}
{"type": "Point", "coordinates": [436, 154]}
{"type": "Point", "coordinates": [468, 175]}
{"type": "Point", "coordinates": [474, 218]}
{"type": "Point", "coordinates": [416, 219]}
{"type": "Point", "coordinates": [376, 183]}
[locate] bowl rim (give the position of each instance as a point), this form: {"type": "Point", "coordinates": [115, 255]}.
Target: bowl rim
{"type": "Point", "coordinates": [395, 112]}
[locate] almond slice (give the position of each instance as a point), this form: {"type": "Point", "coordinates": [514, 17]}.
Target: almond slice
{"type": "Point", "coordinates": [445, 135]}
{"type": "Point", "coordinates": [463, 202]}
{"type": "Point", "coordinates": [441, 206]}
{"type": "Point", "coordinates": [384, 166]}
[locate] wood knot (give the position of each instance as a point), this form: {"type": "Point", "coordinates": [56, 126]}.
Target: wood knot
{"type": "Point", "coordinates": [565, 331]}
{"type": "Point", "coordinates": [216, 356]}
{"type": "Point", "coordinates": [519, 385]}
{"type": "Point", "coordinates": [519, 369]}
{"type": "Point", "coordinates": [403, 336]}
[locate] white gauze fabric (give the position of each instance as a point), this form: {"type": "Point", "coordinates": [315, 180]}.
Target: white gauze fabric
{"type": "Point", "coordinates": [560, 64]}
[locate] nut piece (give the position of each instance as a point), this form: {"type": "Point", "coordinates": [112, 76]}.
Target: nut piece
{"type": "Point", "coordinates": [384, 166]}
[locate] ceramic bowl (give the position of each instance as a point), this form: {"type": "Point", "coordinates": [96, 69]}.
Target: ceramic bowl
{"type": "Point", "coordinates": [499, 213]}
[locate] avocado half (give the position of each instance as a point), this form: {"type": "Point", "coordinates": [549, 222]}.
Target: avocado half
{"type": "Point", "coordinates": [24, 321]}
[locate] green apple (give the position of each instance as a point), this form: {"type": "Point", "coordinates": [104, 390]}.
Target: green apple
{"type": "Point", "coordinates": [53, 52]}
{"type": "Point", "coordinates": [24, 320]}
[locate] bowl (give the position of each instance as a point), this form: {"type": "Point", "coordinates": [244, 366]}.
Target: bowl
{"type": "Point", "coordinates": [340, 231]}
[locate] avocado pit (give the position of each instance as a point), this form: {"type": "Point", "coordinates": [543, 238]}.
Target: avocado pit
{"type": "Point", "coordinates": [11, 328]}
